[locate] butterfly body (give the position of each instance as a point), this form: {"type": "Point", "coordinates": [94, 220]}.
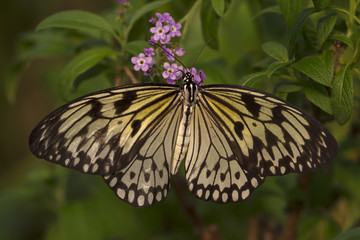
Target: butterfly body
{"type": "Point", "coordinates": [136, 136]}
{"type": "Point", "coordinates": [189, 93]}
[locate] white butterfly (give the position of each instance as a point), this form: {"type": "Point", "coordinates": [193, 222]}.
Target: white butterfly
{"type": "Point", "coordinates": [136, 137]}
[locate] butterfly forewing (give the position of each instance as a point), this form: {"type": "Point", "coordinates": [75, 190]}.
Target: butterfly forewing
{"type": "Point", "coordinates": [253, 135]}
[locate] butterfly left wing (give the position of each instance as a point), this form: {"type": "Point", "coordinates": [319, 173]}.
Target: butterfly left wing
{"type": "Point", "coordinates": [126, 133]}
{"type": "Point", "coordinates": [240, 136]}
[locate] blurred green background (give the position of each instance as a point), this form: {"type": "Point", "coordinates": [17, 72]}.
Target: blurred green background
{"type": "Point", "coordinates": [40, 200]}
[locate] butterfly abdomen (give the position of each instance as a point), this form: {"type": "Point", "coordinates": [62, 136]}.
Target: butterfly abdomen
{"type": "Point", "coordinates": [182, 140]}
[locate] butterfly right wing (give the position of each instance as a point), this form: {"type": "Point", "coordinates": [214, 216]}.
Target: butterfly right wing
{"type": "Point", "coordinates": [241, 135]}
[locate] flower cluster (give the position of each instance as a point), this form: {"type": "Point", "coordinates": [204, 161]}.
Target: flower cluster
{"type": "Point", "coordinates": [124, 4]}
{"type": "Point", "coordinates": [159, 59]}
{"type": "Point", "coordinates": [165, 28]}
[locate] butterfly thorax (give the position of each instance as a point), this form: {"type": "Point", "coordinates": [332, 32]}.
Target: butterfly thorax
{"type": "Point", "coordinates": [189, 91]}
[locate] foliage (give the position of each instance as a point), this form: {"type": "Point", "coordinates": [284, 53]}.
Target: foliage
{"type": "Point", "coordinates": [302, 54]}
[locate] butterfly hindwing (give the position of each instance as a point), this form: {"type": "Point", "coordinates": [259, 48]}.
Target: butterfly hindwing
{"type": "Point", "coordinates": [258, 134]}
{"type": "Point", "coordinates": [145, 180]}
{"type": "Point", "coordinates": [213, 170]}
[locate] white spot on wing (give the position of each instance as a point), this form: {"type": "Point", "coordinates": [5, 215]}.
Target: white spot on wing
{"type": "Point", "coordinates": [158, 196]}
{"type": "Point", "coordinates": [254, 182]}
{"type": "Point", "coordinates": [141, 200]}
{"type": "Point", "coordinates": [95, 167]}
{"type": "Point", "coordinates": [86, 167]}
{"type": "Point", "coordinates": [207, 194]}
{"type": "Point", "coordinates": [131, 196]}
{"type": "Point", "coordinates": [272, 169]}
{"type": "Point", "coordinates": [245, 194]}
{"type": "Point", "coordinates": [76, 161]}
{"type": "Point", "coordinates": [121, 193]}
{"type": "Point", "coordinates": [150, 198]}
{"type": "Point", "coordinates": [224, 197]}
{"type": "Point", "coordinates": [215, 195]}
{"type": "Point", "coordinates": [235, 195]}
{"type": "Point", "coordinates": [113, 182]}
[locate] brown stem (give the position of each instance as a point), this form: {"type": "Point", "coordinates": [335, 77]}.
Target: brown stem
{"type": "Point", "coordinates": [203, 232]}
{"type": "Point", "coordinates": [117, 80]}
{"type": "Point", "coordinates": [290, 228]}
{"type": "Point", "coordinates": [130, 74]}
{"type": "Point", "coordinates": [289, 231]}
{"type": "Point", "coordinates": [337, 54]}
{"type": "Point", "coordinates": [253, 228]}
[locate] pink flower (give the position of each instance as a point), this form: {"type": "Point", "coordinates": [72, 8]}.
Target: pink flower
{"type": "Point", "coordinates": [159, 31]}
{"type": "Point", "coordinates": [142, 62]}
{"type": "Point", "coordinates": [171, 73]}
{"type": "Point", "coordinates": [175, 29]}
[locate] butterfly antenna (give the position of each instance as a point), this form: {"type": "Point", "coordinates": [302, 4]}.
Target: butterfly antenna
{"type": "Point", "coordinates": [164, 49]}
{"type": "Point", "coordinates": [202, 48]}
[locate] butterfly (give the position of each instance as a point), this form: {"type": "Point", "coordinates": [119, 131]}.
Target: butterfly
{"type": "Point", "coordinates": [136, 136]}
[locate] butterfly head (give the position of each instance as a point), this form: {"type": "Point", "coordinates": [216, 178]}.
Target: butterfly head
{"type": "Point", "coordinates": [188, 78]}
{"type": "Point", "coordinates": [193, 76]}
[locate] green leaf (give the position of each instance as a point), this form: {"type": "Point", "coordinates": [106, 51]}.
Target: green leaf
{"type": "Point", "coordinates": [290, 10]}
{"type": "Point", "coordinates": [346, 11]}
{"type": "Point", "coordinates": [219, 7]}
{"type": "Point", "coordinates": [297, 27]}
{"type": "Point", "coordinates": [276, 50]}
{"type": "Point", "coordinates": [288, 87]}
{"type": "Point", "coordinates": [135, 47]}
{"type": "Point", "coordinates": [145, 9]}
{"type": "Point", "coordinates": [30, 46]}
{"type": "Point", "coordinates": [189, 18]}
{"type": "Point", "coordinates": [210, 24]}
{"type": "Point", "coordinates": [12, 80]}
{"type": "Point", "coordinates": [275, 66]}
{"type": "Point", "coordinates": [318, 95]}
{"type": "Point", "coordinates": [45, 44]}
{"type": "Point", "coordinates": [342, 95]}
{"type": "Point", "coordinates": [320, 4]}
{"type": "Point", "coordinates": [324, 28]}
{"type": "Point", "coordinates": [272, 9]}
{"type": "Point", "coordinates": [318, 67]}
{"type": "Point", "coordinates": [344, 39]}
{"type": "Point", "coordinates": [250, 79]}
{"type": "Point", "coordinates": [227, 5]}
{"type": "Point", "coordinates": [81, 63]}
{"type": "Point", "coordinates": [76, 19]}
{"type": "Point", "coordinates": [351, 234]}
